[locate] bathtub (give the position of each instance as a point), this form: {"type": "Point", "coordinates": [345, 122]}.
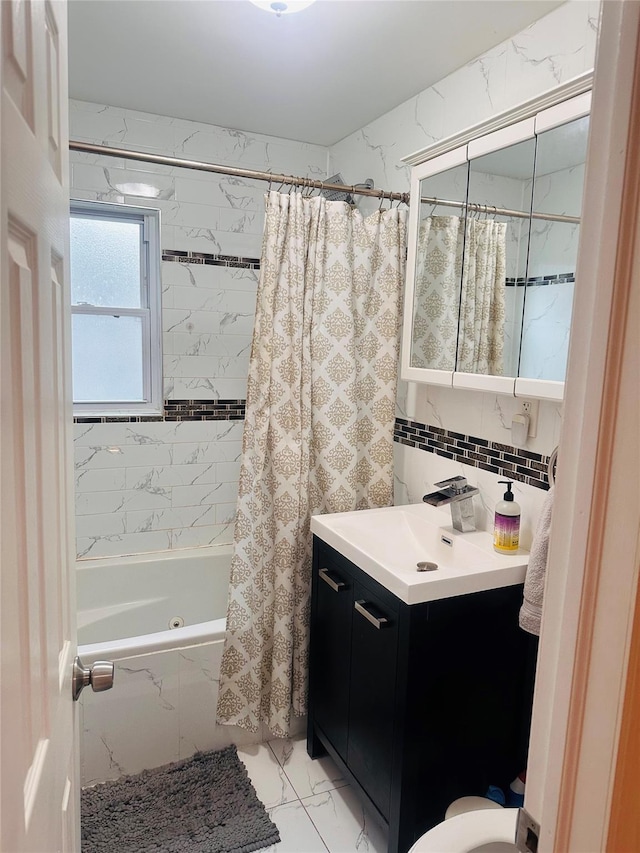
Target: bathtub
{"type": "Point", "coordinates": [131, 605]}
{"type": "Point", "coordinates": [162, 706]}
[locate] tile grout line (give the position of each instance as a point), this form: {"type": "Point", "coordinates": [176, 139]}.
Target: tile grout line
{"type": "Point", "coordinates": [313, 823]}
{"type": "Point", "coordinates": [281, 766]}
{"type": "Point", "coordinates": [300, 799]}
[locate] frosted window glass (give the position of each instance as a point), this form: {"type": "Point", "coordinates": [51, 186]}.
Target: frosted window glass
{"type": "Point", "coordinates": [105, 262]}
{"type": "Point", "coordinates": [107, 359]}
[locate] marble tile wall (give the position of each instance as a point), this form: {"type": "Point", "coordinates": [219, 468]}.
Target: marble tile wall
{"type": "Point", "coordinates": [155, 486]}
{"type": "Point", "coordinates": [209, 310]}
{"type": "Point", "coordinates": [168, 700]}
{"type": "Point", "coordinates": [551, 51]}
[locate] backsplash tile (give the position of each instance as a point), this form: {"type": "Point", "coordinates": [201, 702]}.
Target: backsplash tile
{"type": "Point", "coordinates": [502, 459]}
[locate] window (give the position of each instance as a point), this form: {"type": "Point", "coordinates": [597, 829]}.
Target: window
{"type": "Point", "coordinates": [115, 308]}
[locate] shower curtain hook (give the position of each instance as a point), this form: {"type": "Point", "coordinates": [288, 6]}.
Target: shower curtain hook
{"type": "Point", "coordinates": [270, 181]}
{"type": "Point", "coordinates": [282, 182]}
{"type": "Point", "coordinates": [381, 201]}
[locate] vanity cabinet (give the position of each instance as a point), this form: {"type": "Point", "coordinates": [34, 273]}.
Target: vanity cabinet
{"type": "Point", "coordinates": [417, 704]}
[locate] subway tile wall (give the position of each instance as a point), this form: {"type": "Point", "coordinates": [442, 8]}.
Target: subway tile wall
{"type": "Point", "coordinates": [169, 483]}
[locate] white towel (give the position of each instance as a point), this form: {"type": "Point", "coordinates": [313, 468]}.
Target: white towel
{"type": "Point", "coordinates": [531, 610]}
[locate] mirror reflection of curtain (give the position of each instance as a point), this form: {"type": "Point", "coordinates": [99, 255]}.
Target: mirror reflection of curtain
{"type": "Point", "coordinates": [437, 294]}
{"type": "Point", "coordinates": [482, 303]}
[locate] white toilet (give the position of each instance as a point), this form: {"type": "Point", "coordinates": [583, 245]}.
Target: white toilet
{"type": "Point", "coordinates": [472, 825]}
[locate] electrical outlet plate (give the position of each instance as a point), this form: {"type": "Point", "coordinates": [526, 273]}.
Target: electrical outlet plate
{"type": "Point", "coordinates": [530, 407]}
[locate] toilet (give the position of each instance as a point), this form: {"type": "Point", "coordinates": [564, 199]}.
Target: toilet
{"type": "Point", "coordinates": [472, 825]}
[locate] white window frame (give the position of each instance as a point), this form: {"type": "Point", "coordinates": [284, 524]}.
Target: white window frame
{"type": "Point", "coordinates": [150, 311]}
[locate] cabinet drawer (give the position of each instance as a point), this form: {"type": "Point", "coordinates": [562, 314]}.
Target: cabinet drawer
{"type": "Point", "coordinates": [374, 645]}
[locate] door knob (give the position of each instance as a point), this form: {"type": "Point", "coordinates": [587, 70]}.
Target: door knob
{"type": "Point", "coordinates": [99, 676]}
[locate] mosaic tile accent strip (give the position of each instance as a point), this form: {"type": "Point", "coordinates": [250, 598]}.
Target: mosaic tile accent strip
{"type": "Point", "coordinates": [204, 410]}
{"type": "Point", "coordinates": [503, 459]}
{"type": "Point", "coordinates": [180, 410]}
{"type": "Point", "coordinates": [180, 257]}
{"type": "Point", "coordinates": [536, 281]}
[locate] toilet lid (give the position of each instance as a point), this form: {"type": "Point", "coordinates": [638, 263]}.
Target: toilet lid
{"type": "Point", "coordinates": [467, 832]}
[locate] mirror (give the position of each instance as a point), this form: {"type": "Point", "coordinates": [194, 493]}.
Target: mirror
{"type": "Point", "coordinates": [495, 260]}
{"type": "Point", "coordinates": [438, 270]}
{"type": "Point", "coordinates": [493, 246]}
{"type": "Point", "coordinates": [553, 250]}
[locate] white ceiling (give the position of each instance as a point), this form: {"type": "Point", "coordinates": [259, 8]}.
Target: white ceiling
{"type": "Point", "coordinates": [314, 76]}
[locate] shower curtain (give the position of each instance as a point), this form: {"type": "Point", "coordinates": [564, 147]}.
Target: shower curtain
{"type": "Point", "coordinates": [318, 434]}
{"type": "Point", "coordinates": [482, 303]}
{"type": "Point", "coordinates": [437, 292]}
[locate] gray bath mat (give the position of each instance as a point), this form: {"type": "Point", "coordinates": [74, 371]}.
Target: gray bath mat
{"type": "Point", "coordinates": [205, 804]}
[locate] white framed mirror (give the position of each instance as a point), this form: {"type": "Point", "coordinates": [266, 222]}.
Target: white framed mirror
{"type": "Point", "coordinates": [493, 247]}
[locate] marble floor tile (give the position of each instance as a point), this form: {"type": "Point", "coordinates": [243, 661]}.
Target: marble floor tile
{"type": "Point", "coordinates": [297, 832]}
{"type": "Point", "coordinates": [308, 776]}
{"type": "Point", "coordinates": [343, 824]}
{"type": "Point", "coordinates": [267, 776]}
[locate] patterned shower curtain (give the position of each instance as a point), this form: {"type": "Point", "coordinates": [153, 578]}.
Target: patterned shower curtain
{"type": "Point", "coordinates": [318, 434]}
{"type": "Point", "coordinates": [437, 292]}
{"type": "Point", "coordinates": [482, 304]}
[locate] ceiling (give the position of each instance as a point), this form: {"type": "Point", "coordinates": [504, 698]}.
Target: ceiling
{"type": "Point", "coordinates": [315, 76]}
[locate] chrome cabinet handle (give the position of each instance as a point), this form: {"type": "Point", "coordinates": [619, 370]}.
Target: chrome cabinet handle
{"type": "Point", "coordinates": [336, 586]}
{"type": "Point", "coordinates": [99, 676]}
{"type": "Point", "coordinates": [376, 621]}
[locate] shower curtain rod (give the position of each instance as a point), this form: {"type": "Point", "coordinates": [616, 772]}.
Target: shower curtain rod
{"type": "Point", "coordinates": [309, 183]}
{"type": "Point", "coordinates": [491, 210]}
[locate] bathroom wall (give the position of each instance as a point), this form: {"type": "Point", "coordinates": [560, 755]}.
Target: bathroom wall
{"type": "Point", "coordinates": [171, 482]}
{"type": "Point", "coordinates": [550, 51]}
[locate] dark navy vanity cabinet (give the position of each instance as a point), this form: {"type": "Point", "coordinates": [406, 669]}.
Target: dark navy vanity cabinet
{"type": "Point", "coordinates": [417, 704]}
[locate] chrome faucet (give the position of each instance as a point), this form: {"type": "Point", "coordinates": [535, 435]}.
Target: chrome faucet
{"type": "Point", "coordinates": [458, 494]}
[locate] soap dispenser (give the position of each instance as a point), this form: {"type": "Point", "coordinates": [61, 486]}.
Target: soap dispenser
{"type": "Point", "coordinates": [506, 529]}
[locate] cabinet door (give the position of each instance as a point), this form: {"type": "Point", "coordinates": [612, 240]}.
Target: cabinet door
{"type": "Point", "coordinates": [331, 640]}
{"type": "Point", "coordinates": [374, 642]}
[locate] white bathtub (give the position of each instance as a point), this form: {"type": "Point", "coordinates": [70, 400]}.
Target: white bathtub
{"type": "Point", "coordinates": [163, 703]}
{"type": "Point", "coordinates": [127, 605]}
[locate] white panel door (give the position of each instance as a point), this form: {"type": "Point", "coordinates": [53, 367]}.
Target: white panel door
{"type": "Point", "coordinates": [39, 787]}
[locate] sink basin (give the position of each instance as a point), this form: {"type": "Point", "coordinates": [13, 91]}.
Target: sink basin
{"type": "Point", "coordinates": [389, 543]}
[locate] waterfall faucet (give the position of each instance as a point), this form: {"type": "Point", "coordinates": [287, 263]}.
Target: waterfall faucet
{"type": "Point", "coordinates": [459, 496]}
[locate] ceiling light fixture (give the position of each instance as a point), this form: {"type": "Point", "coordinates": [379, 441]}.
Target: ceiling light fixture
{"type": "Point", "coordinates": [279, 7]}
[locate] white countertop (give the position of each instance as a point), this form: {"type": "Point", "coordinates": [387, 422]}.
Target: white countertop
{"type": "Point", "coordinates": [388, 543]}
